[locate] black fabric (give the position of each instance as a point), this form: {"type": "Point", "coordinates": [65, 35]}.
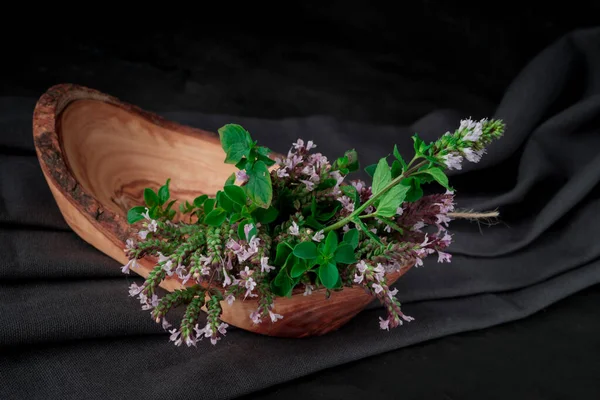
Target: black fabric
{"type": "Point", "coordinates": [69, 330]}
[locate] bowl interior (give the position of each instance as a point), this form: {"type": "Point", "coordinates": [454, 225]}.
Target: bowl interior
{"type": "Point", "coordinates": [114, 154]}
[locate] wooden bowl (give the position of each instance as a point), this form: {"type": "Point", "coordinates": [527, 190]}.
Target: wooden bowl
{"type": "Point", "coordinates": [98, 154]}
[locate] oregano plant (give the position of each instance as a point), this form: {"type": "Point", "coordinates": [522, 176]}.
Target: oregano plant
{"type": "Point", "coordinates": [297, 225]}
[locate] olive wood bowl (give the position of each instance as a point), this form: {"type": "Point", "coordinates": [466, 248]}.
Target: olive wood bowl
{"type": "Point", "coordinates": [98, 154]}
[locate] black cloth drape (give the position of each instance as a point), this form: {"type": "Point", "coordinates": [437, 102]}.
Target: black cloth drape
{"type": "Point", "coordinates": [69, 330]}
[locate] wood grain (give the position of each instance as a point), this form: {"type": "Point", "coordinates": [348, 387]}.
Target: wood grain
{"type": "Point", "coordinates": [98, 154]}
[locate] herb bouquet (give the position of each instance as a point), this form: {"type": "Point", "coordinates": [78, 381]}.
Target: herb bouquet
{"type": "Point", "coordinates": [295, 224]}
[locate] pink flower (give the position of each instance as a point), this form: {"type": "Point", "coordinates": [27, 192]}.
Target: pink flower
{"type": "Point", "coordinates": [453, 161]}
{"type": "Point", "coordinates": [255, 317]}
{"type": "Point", "coordinates": [226, 278]}
{"type": "Point", "coordinates": [309, 185]}
{"type": "Point", "coordinates": [129, 245]}
{"type": "Point", "coordinates": [234, 246]}
{"type": "Point", "coordinates": [222, 328]}
{"type": "Point", "coordinates": [292, 161]}
{"type": "Point", "coordinates": [310, 145]}
{"type": "Point", "coordinates": [153, 226]}
{"type": "Point", "coordinates": [175, 337]}
{"type": "Point", "coordinates": [308, 289]}
{"type": "Point", "coordinates": [317, 237]}
{"type": "Point", "coordinates": [407, 318]}
{"type": "Point", "coordinates": [417, 227]}
{"type": "Point", "coordinates": [131, 264]}
{"type": "Point", "coordinates": [230, 299]}
{"type": "Point", "coordinates": [384, 324]}
{"type": "Point", "coordinates": [165, 324]}
{"type": "Point", "coordinates": [358, 278]}
{"type": "Point", "coordinates": [442, 219]}
{"type": "Point", "coordinates": [282, 172]}
{"type": "Point", "coordinates": [361, 266]}
{"type": "Point", "coordinates": [444, 257]}
{"type": "Point", "coordinates": [264, 265]}
{"type": "Point", "coordinates": [242, 176]}
{"type": "Point", "coordinates": [379, 272]}
{"type": "Point", "coordinates": [347, 203]}
{"type": "Point", "coordinates": [299, 145]}
{"type": "Point", "coordinates": [134, 289]}
{"type": "Point", "coordinates": [247, 229]}
{"type": "Point", "coordinates": [474, 130]}
{"type": "Point", "coordinates": [294, 229]}
{"type": "Point", "coordinates": [473, 156]}
{"type": "Point", "coordinates": [358, 184]}
{"type": "Point", "coordinates": [378, 288]}
{"type": "Point", "coordinates": [275, 317]}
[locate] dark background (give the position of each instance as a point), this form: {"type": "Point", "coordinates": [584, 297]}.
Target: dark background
{"type": "Point", "coordinates": [368, 64]}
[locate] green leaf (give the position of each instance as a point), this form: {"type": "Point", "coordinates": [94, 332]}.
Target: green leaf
{"type": "Point", "coordinates": [399, 158]}
{"type": "Point", "coordinates": [153, 213]}
{"type": "Point", "coordinates": [299, 268]}
{"type": "Point", "coordinates": [252, 231]}
{"type": "Point", "coordinates": [224, 202]}
{"type": "Point", "coordinates": [305, 250]}
{"type": "Point", "coordinates": [235, 140]}
{"type": "Point", "coordinates": [198, 201]}
{"type": "Point", "coordinates": [209, 205]}
{"type": "Point", "coordinates": [382, 177]}
{"type": "Point", "coordinates": [324, 215]}
{"type": "Point", "coordinates": [259, 187]}
{"type": "Point", "coordinates": [370, 169]}
{"type": "Point", "coordinates": [328, 274]}
{"type": "Point", "coordinates": [170, 205]}
{"type": "Point", "coordinates": [242, 164]}
{"type": "Point", "coordinates": [345, 254]}
{"type": "Point", "coordinates": [396, 169]}
{"type": "Point", "coordinates": [264, 151]}
{"type": "Point", "coordinates": [391, 200]}
{"type": "Point", "coordinates": [265, 216]}
{"type": "Point", "coordinates": [282, 253]}
{"type": "Point", "coordinates": [353, 164]}
{"type": "Point", "coordinates": [351, 237]}
{"type": "Point", "coordinates": [263, 155]}
{"type": "Point", "coordinates": [216, 217]}
{"type": "Point", "coordinates": [236, 194]}
{"type": "Point", "coordinates": [397, 153]}
{"type": "Point", "coordinates": [282, 284]}
{"type": "Point", "coordinates": [150, 197]}
{"type": "Point", "coordinates": [163, 193]}
{"type": "Point", "coordinates": [415, 192]}
{"type": "Point", "coordinates": [331, 242]}
{"type": "Point", "coordinates": [245, 212]}
{"type": "Point", "coordinates": [230, 180]}
{"type": "Point", "coordinates": [135, 214]}
{"type": "Point", "coordinates": [438, 175]}
{"type": "Point", "coordinates": [419, 145]}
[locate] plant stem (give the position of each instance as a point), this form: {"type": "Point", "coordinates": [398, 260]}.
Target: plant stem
{"type": "Point", "coordinates": [367, 203]}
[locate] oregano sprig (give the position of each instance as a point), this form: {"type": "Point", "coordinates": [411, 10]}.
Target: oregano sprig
{"type": "Point", "coordinates": [296, 221]}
